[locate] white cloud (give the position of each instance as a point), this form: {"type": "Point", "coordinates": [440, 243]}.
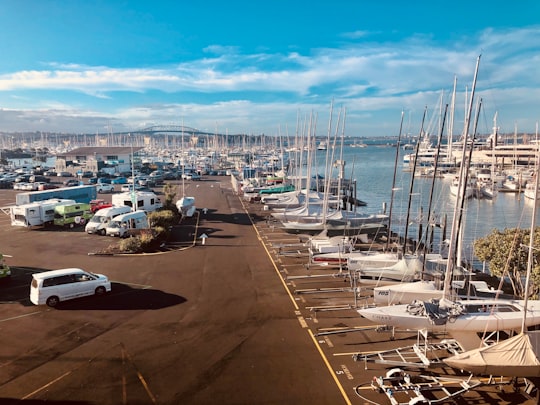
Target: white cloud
{"type": "Point", "coordinates": [263, 90]}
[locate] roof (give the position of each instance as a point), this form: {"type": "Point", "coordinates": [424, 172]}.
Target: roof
{"type": "Point", "coordinates": [100, 150]}
{"type": "Point", "coordinates": [59, 272]}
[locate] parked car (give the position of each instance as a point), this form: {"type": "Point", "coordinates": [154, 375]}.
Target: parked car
{"type": "Point", "coordinates": [27, 186]}
{"type": "Point", "coordinates": [170, 176]}
{"type": "Point", "coordinates": [52, 287]}
{"type": "Point", "coordinates": [70, 183]}
{"type": "Point", "coordinates": [47, 186]}
{"type": "Point", "coordinates": [103, 180]}
{"type": "Point", "coordinates": [21, 185]}
{"type": "Point", "coordinates": [38, 177]}
{"type": "Point", "coordinates": [96, 205]}
{"type": "Point", "coordinates": [119, 180]}
{"type": "Point", "coordinates": [105, 188]}
{"type": "Point", "coordinates": [6, 183]}
{"type": "Point", "coordinates": [64, 174]}
{"type": "Point", "coordinates": [22, 178]}
{"type": "Point", "coordinates": [147, 182]}
{"type": "Point", "coordinates": [191, 176]}
{"type": "Point", "coordinates": [129, 187]}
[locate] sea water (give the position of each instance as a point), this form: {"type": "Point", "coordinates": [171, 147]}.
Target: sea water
{"type": "Point", "coordinates": [373, 169]}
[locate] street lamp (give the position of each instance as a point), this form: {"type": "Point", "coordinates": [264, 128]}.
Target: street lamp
{"type": "Point", "coordinates": [133, 195]}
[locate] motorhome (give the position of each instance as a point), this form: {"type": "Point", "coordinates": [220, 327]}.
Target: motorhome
{"type": "Point", "coordinates": [101, 219]}
{"type": "Point", "coordinates": [38, 213]}
{"type": "Point", "coordinates": [82, 194]}
{"type": "Point", "coordinates": [140, 200]}
{"type": "Point", "coordinates": [72, 214]}
{"type": "Point", "coordinates": [123, 224]}
{"type": "Point", "coordinates": [52, 287]}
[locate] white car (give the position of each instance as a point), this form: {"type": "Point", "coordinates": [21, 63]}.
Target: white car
{"type": "Point", "coordinates": [129, 187]}
{"type": "Point", "coordinates": [105, 188]}
{"type": "Point", "coordinates": [52, 287]}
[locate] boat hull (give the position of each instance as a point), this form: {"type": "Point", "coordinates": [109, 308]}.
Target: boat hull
{"type": "Point", "coordinates": [479, 315]}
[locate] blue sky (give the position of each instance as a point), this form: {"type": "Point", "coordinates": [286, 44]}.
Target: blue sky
{"type": "Point", "coordinates": [260, 67]}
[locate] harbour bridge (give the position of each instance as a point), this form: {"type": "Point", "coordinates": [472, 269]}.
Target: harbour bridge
{"type": "Point", "coordinates": [172, 129]}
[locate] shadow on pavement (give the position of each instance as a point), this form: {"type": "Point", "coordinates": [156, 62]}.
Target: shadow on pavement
{"type": "Point", "coordinates": [124, 297]}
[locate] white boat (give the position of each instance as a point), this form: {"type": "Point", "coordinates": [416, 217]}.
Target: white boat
{"type": "Point", "coordinates": [454, 188]}
{"type": "Point", "coordinates": [489, 189]}
{"type": "Point", "coordinates": [458, 318]}
{"type": "Point", "coordinates": [510, 183]}
{"type": "Point", "coordinates": [529, 192]}
{"type": "Point", "coordinates": [462, 319]}
{"type": "Point", "coordinates": [407, 268]}
{"type": "Point", "coordinates": [186, 206]}
{"type": "Point", "coordinates": [295, 199]}
{"type": "Point", "coordinates": [406, 293]}
{"type": "Point", "coordinates": [337, 222]}
{"type": "Point", "coordinates": [518, 356]}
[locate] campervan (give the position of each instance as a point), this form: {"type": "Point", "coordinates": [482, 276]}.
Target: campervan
{"type": "Point", "coordinates": [141, 200]}
{"type": "Point", "coordinates": [72, 214]}
{"type": "Point", "coordinates": [52, 287]}
{"type": "Point", "coordinates": [36, 213]}
{"type": "Point", "coordinates": [101, 219]}
{"type": "Point", "coordinates": [125, 223]}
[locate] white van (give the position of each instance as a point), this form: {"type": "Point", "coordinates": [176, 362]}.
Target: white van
{"type": "Point", "coordinates": [51, 287]}
{"type": "Point", "coordinates": [121, 224]}
{"type": "Point", "coordinates": [101, 219]}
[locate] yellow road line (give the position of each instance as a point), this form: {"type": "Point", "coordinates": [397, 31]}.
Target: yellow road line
{"type": "Point", "coordinates": [332, 373]}
{"type": "Point", "coordinates": [325, 360]}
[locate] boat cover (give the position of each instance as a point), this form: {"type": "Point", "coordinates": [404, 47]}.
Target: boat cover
{"type": "Point", "coordinates": [513, 357]}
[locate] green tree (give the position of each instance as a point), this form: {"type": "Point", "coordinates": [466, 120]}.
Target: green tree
{"type": "Point", "coordinates": [507, 253]}
{"type": "Point", "coordinates": [169, 191]}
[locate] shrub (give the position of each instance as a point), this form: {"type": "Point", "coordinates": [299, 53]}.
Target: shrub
{"type": "Point", "coordinates": [132, 245]}
{"type": "Point", "coordinates": [163, 218]}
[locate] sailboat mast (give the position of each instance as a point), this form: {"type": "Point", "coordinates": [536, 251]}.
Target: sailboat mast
{"type": "Point", "coordinates": [449, 154]}
{"type": "Point", "coordinates": [460, 194]}
{"type": "Point", "coordinates": [435, 168]}
{"type": "Point", "coordinates": [531, 237]}
{"type": "Point", "coordinates": [411, 188]}
{"type": "Point", "coordinates": [394, 183]}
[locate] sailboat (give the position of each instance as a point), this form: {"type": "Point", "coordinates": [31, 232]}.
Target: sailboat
{"type": "Point", "coordinates": [460, 318]}
{"type": "Point", "coordinates": [518, 356]}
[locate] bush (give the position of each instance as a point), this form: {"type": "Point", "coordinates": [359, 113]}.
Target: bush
{"type": "Point", "coordinates": [149, 240]}
{"type": "Point", "coordinates": [132, 245]}
{"type": "Point", "coordinates": [163, 218]}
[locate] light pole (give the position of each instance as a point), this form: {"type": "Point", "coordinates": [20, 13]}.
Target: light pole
{"type": "Point", "coordinates": [133, 195]}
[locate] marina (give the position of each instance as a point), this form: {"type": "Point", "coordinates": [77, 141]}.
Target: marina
{"type": "Point", "coordinates": [226, 203]}
{"type": "Point", "coordinates": [317, 302]}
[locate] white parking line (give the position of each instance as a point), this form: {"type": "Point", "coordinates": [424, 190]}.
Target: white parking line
{"type": "Point", "coordinates": [20, 316]}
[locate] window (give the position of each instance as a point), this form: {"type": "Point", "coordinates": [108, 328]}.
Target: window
{"type": "Point", "coordinates": [58, 280]}
{"type": "Point", "coordinates": [82, 277]}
